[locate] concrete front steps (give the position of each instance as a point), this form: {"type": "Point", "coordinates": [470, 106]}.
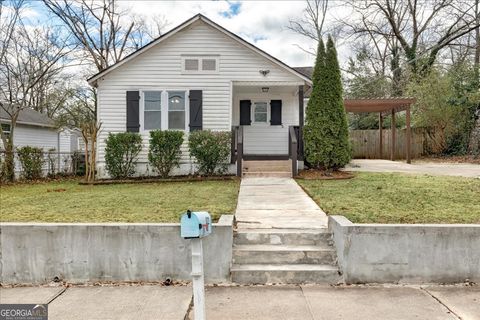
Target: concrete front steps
{"type": "Point", "coordinates": [288, 256]}
{"type": "Point", "coordinates": [267, 168]}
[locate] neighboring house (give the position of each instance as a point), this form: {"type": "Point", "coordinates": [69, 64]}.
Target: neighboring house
{"type": "Point", "coordinates": [37, 130]}
{"type": "Point", "coordinates": [200, 76]}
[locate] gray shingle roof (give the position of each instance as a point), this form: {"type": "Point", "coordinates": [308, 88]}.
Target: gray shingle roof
{"type": "Point", "coordinates": [30, 117]}
{"type": "Point", "coordinates": [306, 71]}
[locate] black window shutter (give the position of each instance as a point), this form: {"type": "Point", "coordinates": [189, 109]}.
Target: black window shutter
{"type": "Point", "coordinates": [276, 112]}
{"type": "Point", "coordinates": [133, 119]}
{"type": "Point", "coordinates": [245, 112]}
{"type": "Point", "coordinates": [196, 113]}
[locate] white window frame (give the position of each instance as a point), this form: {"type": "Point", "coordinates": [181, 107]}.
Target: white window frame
{"type": "Point", "coordinates": [252, 113]}
{"type": "Point", "coordinates": [9, 131]}
{"type": "Point", "coordinates": [200, 59]}
{"type": "Point", "coordinates": [164, 109]}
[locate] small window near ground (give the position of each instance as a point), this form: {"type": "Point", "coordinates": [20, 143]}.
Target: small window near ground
{"type": "Point", "coordinates": [176, 110]}
{"type": "Point", "coordinates": [6, 128]}
{"type": "Point", "coordinates": [260, 112]}
{"type": "Point", "coordinates": [152, 117]}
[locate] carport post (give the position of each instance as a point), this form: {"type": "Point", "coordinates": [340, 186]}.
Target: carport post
{"type": "Point", "coordinates": [392, 144]}
{"type": "Point", "coordinates": [380, 135]}
{"type": "Point", "coordinates": [409, 160]}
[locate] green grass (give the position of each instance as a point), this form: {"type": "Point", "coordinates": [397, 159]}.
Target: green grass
{"type": "Point", "coordinates": [398, 198]}
{"type": "Point", "coordinates": [67, 201]}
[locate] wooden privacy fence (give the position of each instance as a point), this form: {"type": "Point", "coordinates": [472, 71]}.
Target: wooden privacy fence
{"type": "Point", "coordinates": [366, 143]}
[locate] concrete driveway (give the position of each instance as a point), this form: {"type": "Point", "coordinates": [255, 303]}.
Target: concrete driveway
{"type": "Point", "coordinates": [435, 169]}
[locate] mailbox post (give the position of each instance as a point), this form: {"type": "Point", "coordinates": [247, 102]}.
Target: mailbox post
{"type": "Point", "coordinates": [195, 226]}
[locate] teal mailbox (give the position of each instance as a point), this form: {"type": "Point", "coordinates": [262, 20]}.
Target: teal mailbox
{"type": "Point", "coordinates": [195, 225]}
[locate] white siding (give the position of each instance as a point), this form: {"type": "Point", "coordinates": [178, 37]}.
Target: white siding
{"type": "Point", "coordinates": [161, 68]}
{"type": "Point", "coordinates": [45, 138]}
{"type": "Point", "coordinates": [65, 137]}
{"type": "Point", "coordinates": [40, 137]}
{"type": "Point", "coordinates": [267, 139]}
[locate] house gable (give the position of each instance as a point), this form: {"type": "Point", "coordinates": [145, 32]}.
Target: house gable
{"type": "Point", "coordinates": [201, 46]}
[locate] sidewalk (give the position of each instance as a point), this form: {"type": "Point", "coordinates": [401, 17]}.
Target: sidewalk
{"type": "Point", "coordinates": [255, 302]}
{"type": "Point", "coordinates": [265, 203]}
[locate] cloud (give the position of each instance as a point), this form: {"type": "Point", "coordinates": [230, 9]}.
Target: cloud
{"type": "Point", "coordinates": [233, 10]}
{"type": "Point", "coordinates": [263, 23]}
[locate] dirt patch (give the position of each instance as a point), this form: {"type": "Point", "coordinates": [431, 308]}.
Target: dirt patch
{"type": "Point", "coordinates": [315, 174]}
{"type": "Point", "coordinates": [56, 190]}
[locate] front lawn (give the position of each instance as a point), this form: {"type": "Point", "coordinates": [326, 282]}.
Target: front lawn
{"type": "Point", "coordinates": [67, 201]}
{"type": "Point", "coordinates": [398, 198]}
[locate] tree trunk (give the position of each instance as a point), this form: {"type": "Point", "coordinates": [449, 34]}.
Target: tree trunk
{"type": "Point", "coordinates": [477, 45]}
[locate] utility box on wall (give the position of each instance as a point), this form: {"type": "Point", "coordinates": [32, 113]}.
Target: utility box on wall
{"type": "Point", "coordinates": [195, 225]}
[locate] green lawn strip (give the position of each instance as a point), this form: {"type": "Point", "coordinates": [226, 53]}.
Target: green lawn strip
{"type": "Point", "coordinates": [67, 201]}
{"type": "Point", "coordinates": [398, 198]}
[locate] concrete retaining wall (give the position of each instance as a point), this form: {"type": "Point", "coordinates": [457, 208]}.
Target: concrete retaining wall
{"type": "Point", "coordinates": [421, 253]}
{"type": "Point", "coordinates": [83, 252]}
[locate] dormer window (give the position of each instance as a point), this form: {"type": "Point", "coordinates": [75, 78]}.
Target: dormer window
{"type": "Point", "coordinates": [200, 64]}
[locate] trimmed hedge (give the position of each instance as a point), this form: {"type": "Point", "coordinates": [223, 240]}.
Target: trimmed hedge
{"type": "Point", "coordinates": [121, 153]}
{"type": "Point", "coordinates": [164, 152]}
{"type": "Point", "coordinates": [211, 150]}
{"type": "Point", "coordinates": [31, 160]}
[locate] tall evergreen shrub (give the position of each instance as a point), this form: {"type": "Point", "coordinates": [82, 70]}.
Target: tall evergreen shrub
{"type": "Point", "coordinates": [327, 144]}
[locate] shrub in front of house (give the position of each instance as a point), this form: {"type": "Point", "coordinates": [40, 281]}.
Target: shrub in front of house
{"type": "Point", "coordinates": [31, 160]}
{"type": "Point", "coordinates": [164, 152]}
{"type": "Point", "coordinates": [121, 153]}
{"type": "Point", "coordinates": [211, 150]}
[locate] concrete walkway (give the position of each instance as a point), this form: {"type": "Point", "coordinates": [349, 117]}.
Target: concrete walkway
{"type": "Point", "coordinates": [437, 169]}
{"type": "Point", "coordinates": [265, 203]}
{"type": "Point", "coordinates": [254, 302]}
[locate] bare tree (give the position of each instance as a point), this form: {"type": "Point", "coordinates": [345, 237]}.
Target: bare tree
{"type": "Point", "coordinates": [477, 40]}
{"type": "Point", "coordinates": [422, 28]}
{"type": "Point", "coordinates": [312, 22]}
{"type": "Point", "coordinates": [106, 34]}
{"type": "Point", "coordinates": [104, 31]}
{"type": "Point", "coordinates": [31, 55]}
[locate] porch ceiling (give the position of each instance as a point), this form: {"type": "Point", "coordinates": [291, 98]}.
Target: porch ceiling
{"type": "Point", "coordinates": [278, 89]}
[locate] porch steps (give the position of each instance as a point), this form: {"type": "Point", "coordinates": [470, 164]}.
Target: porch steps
{"type": "Point", "coordinates": [267, 168]}
{"type": "Point", "coordinates": [284, 256]}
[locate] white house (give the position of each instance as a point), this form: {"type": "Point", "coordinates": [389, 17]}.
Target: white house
{"type": "Point", "coordinates": [200, 76]}
{"type": "Point", "coordinates": [37, 130]}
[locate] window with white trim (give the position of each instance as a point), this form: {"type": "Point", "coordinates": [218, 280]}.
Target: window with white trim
{"type": "Point", "coordinates": [6, 128]}
{"type": "Point", "coordinates": [200, 64]}
{"type": "Point", "coordinates": [176, 110]}
{"type": "Point", "coordinates": [152, 110]}
{"type": "Point", "coordinates": [164, 110]}
{"type": "Point", "coordinates": [260, 112]}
